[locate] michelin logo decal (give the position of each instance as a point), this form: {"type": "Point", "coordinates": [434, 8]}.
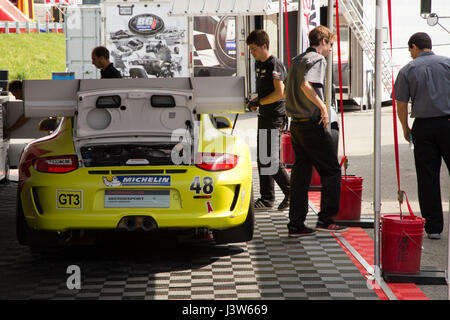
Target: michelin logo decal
{"type": "Point", "coordinates": [123, 181]}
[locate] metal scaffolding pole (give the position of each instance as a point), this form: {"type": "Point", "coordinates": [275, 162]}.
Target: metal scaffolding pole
{"type": "Point", "coordinates": [280, 32]}
{"type": "Point", "coordinates": [377, 133]}
{"type": "Point", "coordinates": [300, 27]}
{"type": "Point", "coordinates": [329, 94]}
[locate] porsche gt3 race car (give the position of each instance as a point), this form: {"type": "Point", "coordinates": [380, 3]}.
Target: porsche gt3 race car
{"type": "Point", "coordinates": [134, 154]}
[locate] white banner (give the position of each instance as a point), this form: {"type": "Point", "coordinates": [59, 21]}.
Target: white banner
{"type": "Point", "coordinates": [311, 18]}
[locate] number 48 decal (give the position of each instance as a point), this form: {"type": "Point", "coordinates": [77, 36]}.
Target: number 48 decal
{"type": "Point", "coordinates": [207, 188]}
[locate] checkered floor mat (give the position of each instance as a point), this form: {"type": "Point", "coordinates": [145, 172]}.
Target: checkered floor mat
{"type": "Point", "coordinates": [271, 266]}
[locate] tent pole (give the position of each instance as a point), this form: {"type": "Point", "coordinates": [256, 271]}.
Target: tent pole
{"type": "Point", "coordinates": [377, 134]}
{"type": "Point", "coordinates": [300, 27]}
{"type": "Point", "coordinates": [329, 63]}
{"type": "Point", "coordinates": [280, 32]}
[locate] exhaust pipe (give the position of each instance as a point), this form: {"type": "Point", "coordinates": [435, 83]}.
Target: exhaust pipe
{"type": "Point", "coordinates": [133, 223]}
{"type": "Point", "coordinates": [148, 224]}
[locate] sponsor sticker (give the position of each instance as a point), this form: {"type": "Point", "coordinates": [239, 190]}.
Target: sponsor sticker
{"type": "Point", "coordinates": [146, 24]}
{"type": "Point", "coordinates": [230, 45]}
{"type": "Point", "coordinates": [150, 180]}
{"type": "Point", "coordinates": [209, 207]}
{"type": "Point", "coordinates": [137, 198]}
{"type": "Point", "coordinates": [69, 199]}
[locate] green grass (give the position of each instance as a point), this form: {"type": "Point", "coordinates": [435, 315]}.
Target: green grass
{"type": "Point", "coordinates": [32, 56]}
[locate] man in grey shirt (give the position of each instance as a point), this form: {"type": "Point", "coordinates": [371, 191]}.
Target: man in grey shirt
{"type": "Point", "coordinates": [311, 141]}
{"type": "Point", "coordinates": [426, 81]}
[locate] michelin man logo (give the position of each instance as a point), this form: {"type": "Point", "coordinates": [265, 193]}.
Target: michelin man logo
{"type": "Point", "coordinates": [112, 182]}
{"type": "Point", "coordinates": [147, 180]}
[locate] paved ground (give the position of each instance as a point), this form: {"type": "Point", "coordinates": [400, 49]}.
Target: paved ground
{"type": "Point", "coordinates": [359, 147]}
{"type": "Point", "coordinates": [271, 266]}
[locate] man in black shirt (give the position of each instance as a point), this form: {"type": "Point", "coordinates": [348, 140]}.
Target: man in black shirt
{"type": "Point", "coordinates": [100, 59]}
{"type": "Point", "coordinates": [270, 74]}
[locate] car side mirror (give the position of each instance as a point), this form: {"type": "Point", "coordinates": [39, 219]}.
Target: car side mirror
{"type": "Point", "coordinates": [223, 122]}
{"type": "Point", "coordinates": [48, 124]}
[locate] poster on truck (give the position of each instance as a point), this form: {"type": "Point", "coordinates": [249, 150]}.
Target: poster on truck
{"type": "Point", "coordinates": [214, 46]}
{"type": "Point", "coordinates": [144, 42]}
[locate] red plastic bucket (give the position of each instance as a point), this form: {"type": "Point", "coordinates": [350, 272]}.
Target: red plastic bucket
{"type": "Point", "coordinates": [401, 243]}
{"type": "Point", "coordinates": [287, 152]}
{"type": "Point", "coordinates": [287, 157]}
{"type": "Point", "coordinates": [350, 200]}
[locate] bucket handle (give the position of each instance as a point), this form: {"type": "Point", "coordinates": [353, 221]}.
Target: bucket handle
{"type": "Point", "coordinates": [348, 188]}
{"type": "Point", "coordinates": [344, 162]}
{"type": "Point", "coordinates": [419, 246]}
{"type": "Point", "coordinates": [402, 193]}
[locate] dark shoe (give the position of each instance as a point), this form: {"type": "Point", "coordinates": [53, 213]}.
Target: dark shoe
{"type": "Point", "coordinates": [284, 204]}
{"type": "Point", "coordinates": [434, 236]}
{"type": "Point", "coordinates": [303, 232]}
{"type": "Point", "coordinates": [261, 204]}
{"type": "Point", "coordinates": [330, 227]}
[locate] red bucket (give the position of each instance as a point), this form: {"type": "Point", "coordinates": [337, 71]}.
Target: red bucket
{"type": "Point", "coordinates": [350, 201]}
{"type": "Point", "coordinates": [401, 243]}
{"type": "Point", "coordinates": [287, 152]}
{"type": "Point", "coordinates": [287, 157]}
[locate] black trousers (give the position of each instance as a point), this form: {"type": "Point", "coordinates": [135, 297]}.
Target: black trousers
{"type": "Point", "coordinates": [270, 168]}
{"type": "Point", "coordinates": [313, 145]}
{"type": "Point", "coordinates": [431, 138]}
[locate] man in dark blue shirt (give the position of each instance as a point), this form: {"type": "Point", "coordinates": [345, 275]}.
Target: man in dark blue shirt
{"type": "Point", "coordinates": [426, 81]}
{"type": "Point", "coordinates": [100, 59]}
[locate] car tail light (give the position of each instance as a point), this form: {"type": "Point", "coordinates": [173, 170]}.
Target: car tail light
{"type": "Point", "coordinates": [58, 164]}
{"type": "Point", "coordinates": [216, 161]}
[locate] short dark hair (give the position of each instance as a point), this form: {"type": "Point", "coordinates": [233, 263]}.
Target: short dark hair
{"type": "Point", "coordinates": [421, 40]}
{"type": "Point", "coordinates": [15, 85]}
{"type": "Point", "coordinates": [101, 51]}
{"type": "Point", "coordinates": [259, 38]}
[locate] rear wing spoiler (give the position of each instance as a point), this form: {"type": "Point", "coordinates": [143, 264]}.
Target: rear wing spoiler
{"type": "Point", "coordinates": [59, 98]}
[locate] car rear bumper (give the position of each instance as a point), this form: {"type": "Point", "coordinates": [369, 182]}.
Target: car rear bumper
{"type": "Point", "coordinates": [76, 200]}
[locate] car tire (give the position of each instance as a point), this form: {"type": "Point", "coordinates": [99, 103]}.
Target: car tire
{"type": "Point", "coordinates": [241, 233]}
{"type": "Point", "coordinates": [28, 237]}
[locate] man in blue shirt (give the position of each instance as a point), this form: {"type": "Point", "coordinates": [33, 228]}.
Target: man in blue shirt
{"type": "Point", "coordinates": [426, 81]}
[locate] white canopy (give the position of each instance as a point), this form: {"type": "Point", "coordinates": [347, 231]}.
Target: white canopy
{"type": "Point", "coordinates": [224, 7]}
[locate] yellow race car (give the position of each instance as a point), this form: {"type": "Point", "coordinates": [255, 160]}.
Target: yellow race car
{"type": "Point", "coordinates": [138, 154]}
